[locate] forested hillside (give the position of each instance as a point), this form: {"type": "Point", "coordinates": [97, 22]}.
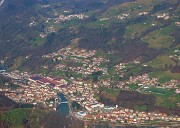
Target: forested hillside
{"type": "Point", "coordinates": [112, 26]}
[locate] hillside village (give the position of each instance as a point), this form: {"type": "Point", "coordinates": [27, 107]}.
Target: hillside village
{"type": "Point", "coordinates": [36, 88]}
{"type": "Point", "coordinates": [92, 55]}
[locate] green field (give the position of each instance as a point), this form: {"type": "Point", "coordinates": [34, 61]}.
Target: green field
{"type": "Point", "coordinates": [165, 97]}
{"type": "Point", "coordinates": [37, 42]}
{"type": "Point", "coordinates": [15, 117]}
{"type": "Point", "coordinates": [133, 86]}
{"type": "Point", "coordinates": [140, 107]}
{"type": "Point", "coordinates": [165, 75]}
{"type": "Point", "coordinates": [18, 62]}
{"type": "Point", "coordinates": [161, 38]}
{"type": "Point", "coordinates": [131, 7]}
{"type": "Point", "coordinates": [135, 30]}
{"type": "Point", "coordinates": [162, 61]}
{"type": "Point", "coordinates": [161, 91]}
{"type": "Point", "coordinates": [111, 92]}
{"type": "Point", "coordinates": [164, 79]}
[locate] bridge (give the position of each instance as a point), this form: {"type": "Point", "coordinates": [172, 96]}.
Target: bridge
{"type": "Point", "coordinates": [63, 102]}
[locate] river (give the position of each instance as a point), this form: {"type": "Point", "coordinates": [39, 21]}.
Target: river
{"type": "Point", "coordinates": [63, 106]}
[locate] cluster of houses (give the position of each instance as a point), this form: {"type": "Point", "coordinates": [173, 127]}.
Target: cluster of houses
{"type": "Point", "coordinates": [87, 62]}
{"type": "Point", "coordinates": [171, 84]}
{"type": "Point", "coordinates": [176, 55]}
{"type": "Point", "coordinates": [50, 29]}
{"type": "Point", "coordinates": [143, 80]}
{"type": "Point", "coordinates": [33, 23]}
{"type": "Point", "coordinates": [104, 19]}
{"type": "Point", "coordinates": [164, 16]}
{"type": "Point", "coordinates": [146, 82]}
{"type": "Point", "coordinates": [123, 16]}
{"type": "Point", "coordinates": [36, 90]}
{"type": "Point", "coordinates": [45, 6]}
{"type": "Point", "coordinates": [70, 17]}
{"type": "Point", "coordinates": [66, 53]}
{"type": "Point", "coordinates": [128, 116]}
{"type": "Point", "coordinates": [42, 35]}
{"type": "Point", "coordinates": [83, 93]}
{"type": "Point", "coordinates": [48, 81]}
{"type": "Point", "coordinates": [143, 13]}
{"type": "Point", "coordinates": [40, 89]}
{"type": "Point", "coordinates": [177, 24]}
{"type": "Point", "coordinates": [119, 69]}
{"type": "Point", "coordinates": [140, 80]}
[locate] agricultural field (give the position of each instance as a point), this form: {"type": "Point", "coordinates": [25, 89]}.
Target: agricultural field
{"type": "Point", "coordinates": [140, 107]}
{"type": "Point", "coordinates": [165, 75]}
{"type": "Point", "coordinates": [18, 118]}
{"type": "Point", "coordinates": [162, 61]}
{"type": "Point", "coordinates": [37, 42]}
{"type": "Point", "coordinates": [135, 30]}
{"type": "Point", "coordinates": [164, 97]}
{"type": "Point", "coordinates": [133, 86]}
{"type": "Point", "coordinates": [15, 117]}
{"type": "Point", "coordinates": [132, 8]}
{"type": "Point", "coordinates": [160, 38]}
{"type": "Point", "coordinates": [112, 93]}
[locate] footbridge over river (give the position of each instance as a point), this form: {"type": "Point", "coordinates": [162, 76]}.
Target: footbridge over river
{"type": "Point", "coordinates": [62, 99]}
{"type": "Point", "coordinates": [65, 102]}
